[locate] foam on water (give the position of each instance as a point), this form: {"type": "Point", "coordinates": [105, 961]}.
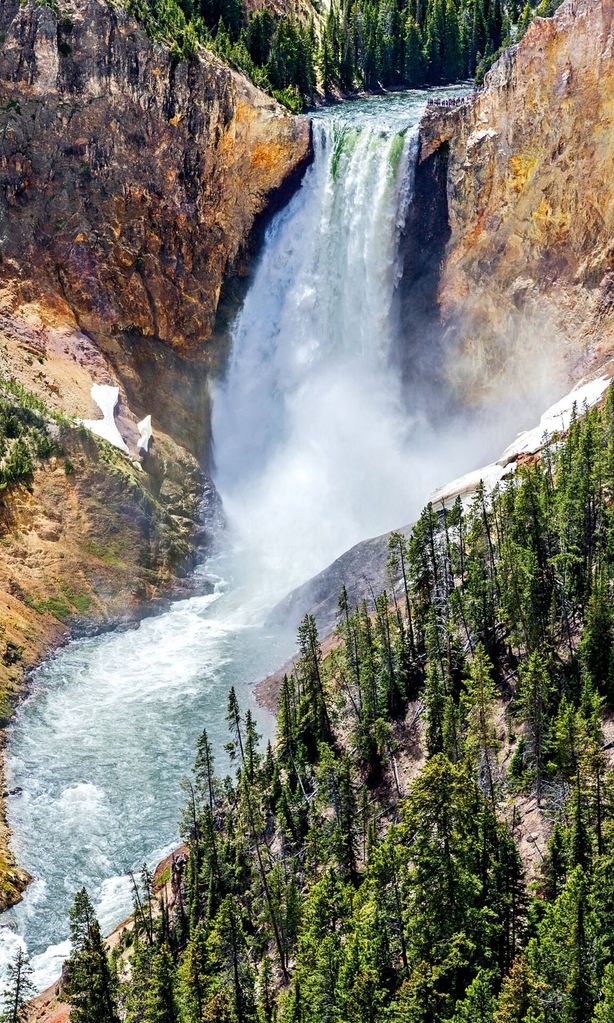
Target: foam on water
{"type": "Point", "coordinates": [97, 753]}
{"type": "Point", "coordinates": [312, 430]}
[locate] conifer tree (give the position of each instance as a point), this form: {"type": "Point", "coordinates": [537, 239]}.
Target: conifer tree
{"type": "Point", "coordinates": [533, 697]}
{"type": "Point", "coordinates": [479, 1001]}
{"type": "Point", "coordinates": [519, 1000]}
{"type": "Point", "coordinates": [228, 946]}
{"type": "Point", "coordinates": [18, 991]}
{"type": "Point", "coordinates": [89, 984]}
{"type": "Point", "coordinates": [604, 1010]}
{"type": "Point", "coordinates": [160, 1002]}
{"type": "Point", "coordinates": [580, 840]}
{"type": "Point", "coordinates": [555, 863]}
{"type": "Point", "coordinates": [204, 771]}
{"type": "Point", "coordinates": [479, 700]}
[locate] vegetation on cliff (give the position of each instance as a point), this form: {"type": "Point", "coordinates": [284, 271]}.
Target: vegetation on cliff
{"type": "Point", "coordinates": [365, 44]}
{"type": "Point", "coordinates": [323, 882]}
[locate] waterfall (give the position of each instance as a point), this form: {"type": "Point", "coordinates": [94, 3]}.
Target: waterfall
{"type": "Point", "coordinates": [311, 428]}
{"type": "Point", "coordinates": [317, 445]}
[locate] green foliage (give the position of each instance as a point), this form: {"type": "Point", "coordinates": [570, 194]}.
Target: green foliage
{"type": "Point", "coordinates": [89, 985]}
{"type": "Point", "coordinates": [321, 884]}
{"type": "Point", "coordinates": [357, 44]}
{"type": "Point", "coordinates": [24, 435]}
{"type": "Point", "coordinates": [19, 989]}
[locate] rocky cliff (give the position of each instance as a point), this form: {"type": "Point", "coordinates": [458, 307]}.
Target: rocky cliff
{"type": "Point", "coordinates": [130, 189]}
{"type": "Point", "coordinates": [528, 271]}
{"type": "Point", "coordinates": [130, 182]}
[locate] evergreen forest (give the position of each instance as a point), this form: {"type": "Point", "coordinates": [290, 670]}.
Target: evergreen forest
{"type": "Point", "coordinates": [333, 50]}
{"type": "Point", "coordinates": [431, 840]}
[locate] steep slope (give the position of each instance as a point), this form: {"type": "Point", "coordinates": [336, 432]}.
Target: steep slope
{"type": "Point", "coordinates": [437, 813]}
{"type": "Point", "coordinates": [528, 271]}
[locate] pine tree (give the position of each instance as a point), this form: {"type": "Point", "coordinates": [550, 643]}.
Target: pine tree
{"type": "Point", "coordinates": [89, 984]}
{"type": "Point", "coordinates": [435, 702]}
{"type": "Point", "coordinates": [233, 719]}
{"type": "Point", "coordinates": [228, 947]}
{"type": "Point", "coordinates": [479, 1001]}
{"type": "Point", "coordinates": [160, 1003]}
{"type": "Point", "coordinates": [533, 697]}
{"type": "Point", "coordinates": [580, 839]}
{"type": "Point", "coordinates": [313, 719]}
{"type": "Point", "coordinates": [598, 640]}
{"type": "Point", "coordinates": [479, 700]}
{"type": "Point", "coordinates": [604, 1010]}
{"type": "Point", "coordinates": [204, 771]}
{"type": "Point", "coordinates": [519, 1001]}
{"type": "Point", "coordinates": [267, 1003]}
{"type": "Point", "coordinates": [18, 991]}
{"type": "Point", "coordinates": [563, 953]}
{"type": "Point", "coordinates": [555, 864]}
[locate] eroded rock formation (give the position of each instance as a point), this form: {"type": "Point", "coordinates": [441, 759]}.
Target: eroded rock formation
{"type": "Point", "coordinates": [527, 283]}
{"type": "Point", "coordinates": [130, 182]}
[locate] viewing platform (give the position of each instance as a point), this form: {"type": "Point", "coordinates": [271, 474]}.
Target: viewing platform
{"type": "Point", "coordinates": [452, 102]}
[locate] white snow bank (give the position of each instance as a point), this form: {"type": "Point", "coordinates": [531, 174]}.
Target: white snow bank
{"type": "Point", "coordinates": [468, 484]}
{"type": "Point", "coordinates": [556, 419]}
{"type": "Point", "coordinates": [145, 434]}
{"type": "Point", "coordinates": [106, 397]}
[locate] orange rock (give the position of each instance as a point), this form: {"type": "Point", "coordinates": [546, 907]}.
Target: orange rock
{"type": "Point", "coordinates": [528, 273]}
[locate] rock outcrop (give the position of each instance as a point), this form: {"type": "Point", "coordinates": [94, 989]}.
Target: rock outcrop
{"type": "Point", "coordinates": [130, 183]}
{"type": "Point", "coordinates": [528, 273]}
{"type": "Point", "coordinates": [131, 187]}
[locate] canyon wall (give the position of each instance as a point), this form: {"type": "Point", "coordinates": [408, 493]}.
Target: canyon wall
{"type": "Point", "coordinates": [131, 187]}
{"type": "Point", "coordinates": [527, 280]}
{"type": "Point", "coordinates": [130, 182]}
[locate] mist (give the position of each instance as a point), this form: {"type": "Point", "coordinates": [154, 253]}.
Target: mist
{"type": "Point", "coordinates": [320, 440]}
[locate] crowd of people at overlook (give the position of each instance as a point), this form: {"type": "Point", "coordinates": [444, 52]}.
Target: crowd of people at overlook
{"type": "Point", "coordinates": [454, 101]}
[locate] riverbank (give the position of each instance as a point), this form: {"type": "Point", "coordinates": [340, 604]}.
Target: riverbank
{"type": "Point", "coordinates": [49, 639]}
{"type": "Point", "coordinates": [119, 228]}
{"type": "Point", "coordinates": [47, 1007]}
{"type": "Point", "coordinates": [92, 538]}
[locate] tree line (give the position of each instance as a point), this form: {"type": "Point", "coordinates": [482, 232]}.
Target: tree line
{"type": "Point", "coordinates": [348, 45]}
{"type": "Point", "coordinates": [330, 881]}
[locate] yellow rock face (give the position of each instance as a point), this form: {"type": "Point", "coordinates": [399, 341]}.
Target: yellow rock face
{"type": "Point", "coordinates": [529, 265]}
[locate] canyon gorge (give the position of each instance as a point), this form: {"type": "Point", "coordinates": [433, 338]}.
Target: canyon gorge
{"type": "Point", "coordinates": [165, 229]}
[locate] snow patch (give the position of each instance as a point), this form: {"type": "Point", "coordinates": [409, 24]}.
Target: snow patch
{"type": "Point", "coordinates": [106, 397]}
{"type": "Point", "coordinates": [489, 475]}
{"type": "Point", "coordinates": [145, 434]}
{"type": "Point", "coordinates": [556, 419]}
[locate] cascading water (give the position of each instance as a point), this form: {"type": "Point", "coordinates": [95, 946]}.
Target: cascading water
{"type": "Point", "coordinates": [310, 400]}
{"type": "Point", "coordinates": [318, 443]}
{"type": "Point", "coordinates": [316, 447]}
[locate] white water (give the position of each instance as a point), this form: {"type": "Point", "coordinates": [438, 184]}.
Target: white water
{"type": "Point", "coordinates": [316, 447]}
{"type": "Point", "coordinates": [309, 402]}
